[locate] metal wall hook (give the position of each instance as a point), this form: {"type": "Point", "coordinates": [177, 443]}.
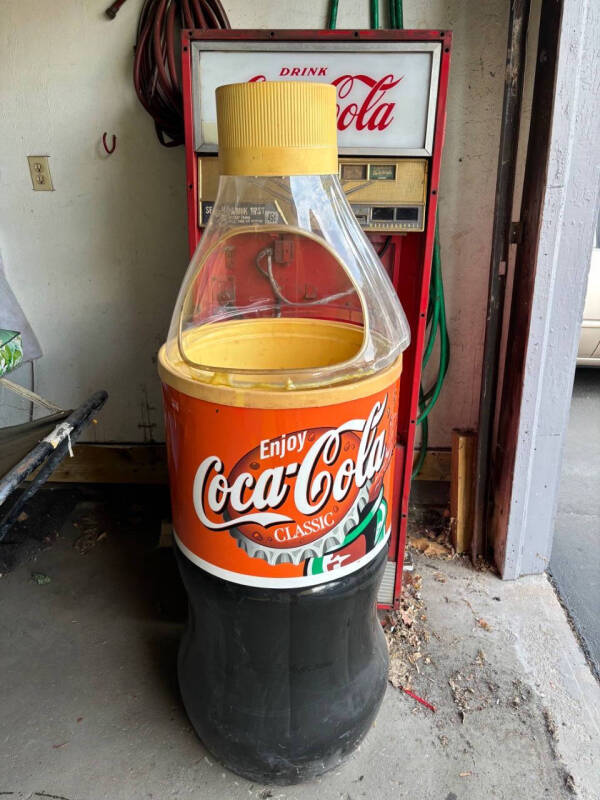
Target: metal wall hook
{"type": "Point", "coordinates": [108, 149]}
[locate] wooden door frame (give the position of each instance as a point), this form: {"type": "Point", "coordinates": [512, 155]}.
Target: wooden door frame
{"type": "Point", "coordinates": [558, 217]}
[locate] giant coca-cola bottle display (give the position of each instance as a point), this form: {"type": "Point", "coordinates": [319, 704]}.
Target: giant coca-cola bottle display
{"type": "Point", "coordinates": [280, 376]}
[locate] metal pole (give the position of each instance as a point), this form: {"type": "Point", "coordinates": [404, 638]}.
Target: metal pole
{"type": "Point", "coordinates": [48, 453]}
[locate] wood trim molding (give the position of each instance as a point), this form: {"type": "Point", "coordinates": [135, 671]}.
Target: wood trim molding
{"type": "Point", "coordinates": [114, 463]}
{"type": "Point", "coordinates": [147, 464]}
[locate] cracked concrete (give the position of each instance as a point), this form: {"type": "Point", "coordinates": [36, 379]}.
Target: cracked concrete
{"type": "Point", "coordinates": [90, 708]}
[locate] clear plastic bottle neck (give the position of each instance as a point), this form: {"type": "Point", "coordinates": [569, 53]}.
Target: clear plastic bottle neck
{"type": "Point", "coordinates": [285, 290]}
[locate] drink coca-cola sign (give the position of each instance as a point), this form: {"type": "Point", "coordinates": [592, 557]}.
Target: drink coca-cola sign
{"type": "Point", "coordinates": [386, 91]}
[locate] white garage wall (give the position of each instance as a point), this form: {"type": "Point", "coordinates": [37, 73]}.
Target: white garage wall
{"type": "Point", "coordinates": [97, 263]}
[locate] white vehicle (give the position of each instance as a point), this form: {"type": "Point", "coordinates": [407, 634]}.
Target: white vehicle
{"type": "Point", "coordinates": [588, 354]}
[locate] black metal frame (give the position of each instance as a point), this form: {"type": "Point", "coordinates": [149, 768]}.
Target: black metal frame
{"type": "Point", "coordinates": [47, 455]}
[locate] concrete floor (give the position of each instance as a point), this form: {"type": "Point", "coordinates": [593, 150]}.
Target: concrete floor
{"type": "Point", "coordinates": [90, 708]}
{"type": "Point", "coordinates": [575, 562]}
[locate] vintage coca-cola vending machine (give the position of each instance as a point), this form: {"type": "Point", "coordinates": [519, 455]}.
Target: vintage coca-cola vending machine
{"type": "Point", "coordinates": [391, 88]}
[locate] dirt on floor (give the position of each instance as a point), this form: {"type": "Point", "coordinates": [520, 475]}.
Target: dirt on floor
{"type": "Point", "coordinates": [406, 628]}
{"type": "Point", "coordinates": [477, 684]}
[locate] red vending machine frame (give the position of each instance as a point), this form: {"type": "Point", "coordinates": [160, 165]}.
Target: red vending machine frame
{"type": "Point", "coordinates": [407, 256]}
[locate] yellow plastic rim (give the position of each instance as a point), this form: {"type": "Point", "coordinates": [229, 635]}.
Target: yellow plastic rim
{"type": "Point", "coordinates": [275, 340]}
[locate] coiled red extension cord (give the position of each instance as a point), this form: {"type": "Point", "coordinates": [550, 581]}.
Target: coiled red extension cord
{"type": "Point", "coordinates": [156, 68]}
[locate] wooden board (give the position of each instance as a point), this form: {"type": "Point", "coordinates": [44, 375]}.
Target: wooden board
{"type": "Point", "coordinates": [436, 466]}
{"type": "Point", "coordinates": [462, 486]}
{"type": "Point", "coordinates": [114, 463]}
{"type": "Point", "coordinates": [147, 464]}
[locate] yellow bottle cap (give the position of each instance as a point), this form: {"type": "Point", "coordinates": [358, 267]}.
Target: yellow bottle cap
{"type": "Point", "coordinates": [277, 128]}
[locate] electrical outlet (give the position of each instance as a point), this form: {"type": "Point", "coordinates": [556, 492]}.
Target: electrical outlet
{"type": "Point", "coordinates": [40, 173]}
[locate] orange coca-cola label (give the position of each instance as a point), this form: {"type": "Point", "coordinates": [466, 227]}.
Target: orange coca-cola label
{"type": "Point", "coordinates": [281, 497]}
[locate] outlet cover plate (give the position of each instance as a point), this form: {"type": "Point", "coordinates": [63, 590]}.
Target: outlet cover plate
{"type": "Point", "coordinates": [40, 173]}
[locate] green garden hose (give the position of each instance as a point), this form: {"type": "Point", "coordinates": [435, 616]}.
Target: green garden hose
{"type": "Point", "coordinates": [436, 311]}
{"type": "Point", "coordinates": [396, 14]}
{"type": "Point", "coordinates": [438, 322]}
{"type": "Point", "coordinates": [333, 9]}
{"type": "Point", "coordinates": [375, 14]}
{"type": "Point", "coordinates": [436, 314]}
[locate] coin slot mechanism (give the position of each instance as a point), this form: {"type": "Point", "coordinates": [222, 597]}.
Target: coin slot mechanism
{"type": "Point", "coordinates": [388, 196]}
{"type": "Point", "coordinates": [353, 172]}
{"type": "Point", "coordinates": [382, 172]}
{"type": "Point", "coordinates": [407, 214]}
{"type": "Point", "coordinates": [382, 214]}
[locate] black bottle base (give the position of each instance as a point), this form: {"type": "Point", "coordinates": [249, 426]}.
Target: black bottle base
{"type": "Point", "coordinates": [282, 685]}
